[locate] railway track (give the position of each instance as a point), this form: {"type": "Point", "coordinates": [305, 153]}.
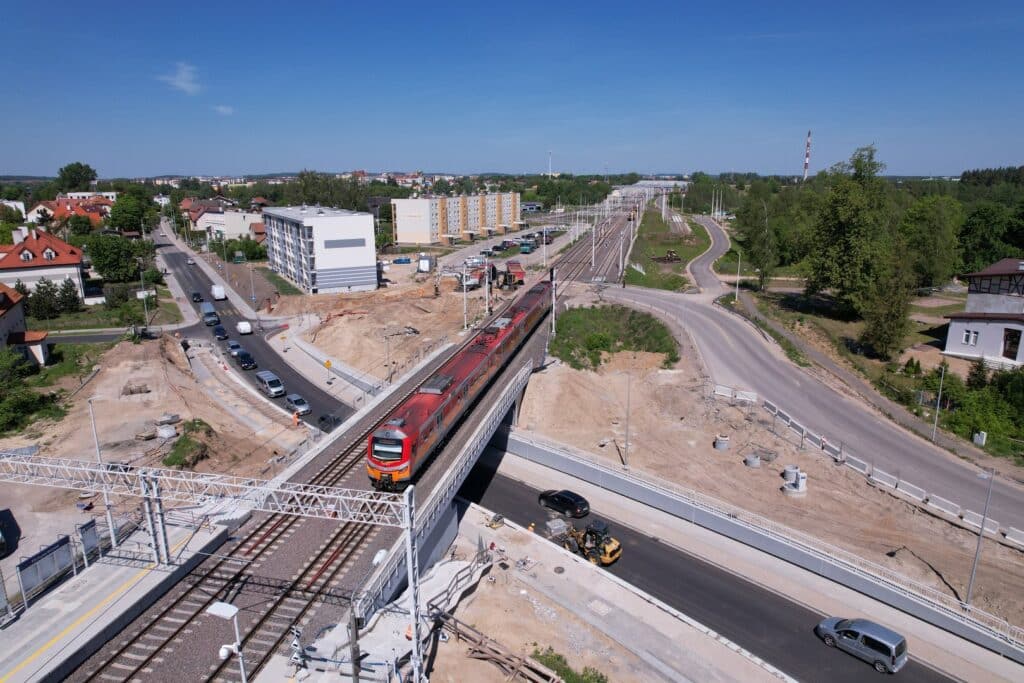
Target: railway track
{"type": "Point", "coordinates": [136, 656]}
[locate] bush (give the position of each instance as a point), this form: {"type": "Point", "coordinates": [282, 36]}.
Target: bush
{"type": "Point", "coordinates": [44, 302]}
{"type": "Point", "coordinates": [557, 663]}
{"type": "Point", "coordinates": [153, 276]}
{"type": "Point", "coordinates": [117, 295]}
{"type": "Point", "coordinates": [585, 334]}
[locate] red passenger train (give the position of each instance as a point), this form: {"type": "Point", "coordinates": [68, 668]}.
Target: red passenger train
{"type": "Point", "coordinates": [400, 447]}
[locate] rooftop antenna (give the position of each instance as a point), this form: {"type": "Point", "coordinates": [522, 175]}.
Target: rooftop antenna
{"type": "Point", "coordinates": [807, 155]}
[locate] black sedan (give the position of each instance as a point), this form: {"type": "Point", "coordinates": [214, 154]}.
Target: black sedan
{"type": "Point", "coordinates": [219, 332]}
{"type": "Point", "coordinates": [565, 502]}
{"type": "Point", "coordinates": [197, 297]}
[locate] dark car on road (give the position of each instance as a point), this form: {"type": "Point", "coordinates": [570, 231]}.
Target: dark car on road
{"type": "Point", "coordinates": [197, 297]}
{"type": "Point", "coordinates": [245, 360]}
{"type": "Point", "coordinates": [565, 503]}
{"type": "Point", "coordinates": [327, 423]}
{"type": "Point", "coordinates": [219, 332]}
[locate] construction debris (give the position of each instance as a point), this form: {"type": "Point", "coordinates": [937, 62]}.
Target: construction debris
{"type": "Point", "coordinates": [484, 648]}
{"type": "Point", "coordinates": [130, 389]}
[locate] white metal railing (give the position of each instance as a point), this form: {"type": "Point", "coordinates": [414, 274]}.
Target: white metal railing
{"type": "Point", "coordinates": [826, 552]}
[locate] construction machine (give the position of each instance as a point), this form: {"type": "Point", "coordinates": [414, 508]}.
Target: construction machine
{"type": "Point", "coordinates": [593, 542]}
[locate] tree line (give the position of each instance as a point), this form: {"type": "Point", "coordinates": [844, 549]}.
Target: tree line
{"type": "Point", "coordinates": [871, 242]}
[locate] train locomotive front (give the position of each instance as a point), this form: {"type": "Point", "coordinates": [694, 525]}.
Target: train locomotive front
{"type": "Point", "coordinates": [408, 437]}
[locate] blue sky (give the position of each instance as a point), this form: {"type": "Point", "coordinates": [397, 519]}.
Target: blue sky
{"type": "Point", "coordinates": [214, 87]}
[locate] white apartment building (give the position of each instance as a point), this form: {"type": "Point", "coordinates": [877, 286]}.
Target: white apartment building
{"type": "Point", "coordinates": [112, 196]}
{"type": "Point", "coordinates": [322, 250]}
{"type": "Point", "coordinates": [432, 220]}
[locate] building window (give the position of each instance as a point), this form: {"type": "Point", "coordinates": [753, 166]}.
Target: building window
{"type": "Point", "coordinates": [1011, 343]}
{"type": "Point", "coordinates": [974, 338]}
{"type": "Point", "coordinates": [967, 337]}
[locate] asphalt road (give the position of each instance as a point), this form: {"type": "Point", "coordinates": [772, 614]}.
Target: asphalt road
{"type": "Point", "coordinates": [779, 631]}
{"type": "Point", "coordinates": [193, 279]}
{"type": "Point", "coordinates": [736, 355]}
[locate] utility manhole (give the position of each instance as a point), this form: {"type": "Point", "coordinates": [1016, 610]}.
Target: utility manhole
{"type": "Point", "coordinates": [559, 570]}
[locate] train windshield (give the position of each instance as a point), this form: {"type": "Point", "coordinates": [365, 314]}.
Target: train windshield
{"type": "Point", "coordinates": [387, 449]}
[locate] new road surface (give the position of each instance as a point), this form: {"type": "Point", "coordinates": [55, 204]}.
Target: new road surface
{"type": "Point", "coordinates": [736, 355]}
{"type": "Point", "coordinates": [763, 622]}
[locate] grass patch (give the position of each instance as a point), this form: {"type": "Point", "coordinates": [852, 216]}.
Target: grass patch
{"type": "Point", "coordinates": [726, 265]}
{"type": "Point", "coordinates": [586, 335]}
{"type": "Point", "coordinates": [557, 663]}
{"type": "Point", "coordinates": [654, 240]}
{"type": "Point", "coordinates": [283, 286]}
{"type": "Point", "coordinates": [68, 360]}
{"type": "Point", "coordinates": [190, 449]}
{"type": "Point", "coordinates": [163, 311]}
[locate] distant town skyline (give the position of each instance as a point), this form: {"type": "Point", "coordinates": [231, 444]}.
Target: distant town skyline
{"type": "Point", "coordinates": [201, 89]}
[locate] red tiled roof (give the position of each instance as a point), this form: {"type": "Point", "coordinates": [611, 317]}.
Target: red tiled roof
{"type": "Point", "coordinates": [186, 203]}
{"type": "Point", "coordinates": [37, 242]}
{"type": "Point", "coordinates": [1006, 266]}
{"type": "Point", "coordinates": [258, 228]}
{"type": "Point", "coordinates": [27, 337]}
{"type": "Point", "coordinates": [259, 200]}
{"type": "Point", "coordinates": [9, 298]}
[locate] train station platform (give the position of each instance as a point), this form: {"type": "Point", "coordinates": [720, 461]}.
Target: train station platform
{"type": "Point", "coordinates": [61, 629]}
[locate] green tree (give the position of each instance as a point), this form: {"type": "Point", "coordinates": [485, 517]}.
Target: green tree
{"type": "Point", "coordinates": [983, 234]}
{"type": "Point", "coordinates": [20, 287]}
{"type": "Point", "coordinates": [758, 236]}
{"type": "Point", "coordinates": [79, 225]}
{"type": "Point", "coordinates": [977, 378]}
{"type": "Point", "coordinates": [127, 214]}
{"type": "Point", "coordinates": [67, 297]}
{"type": "Point", "coordinates": [17, 401]}
{"type": "Point", "coordinates": [886, 307]}
{"type": "Point", "coordinates": [9, 214]}
{"type": "Point", "coordinates": [75, 177]}
{"type": "Point", "coordinates": [113, 258]}
{"type": "Point", "coordinates": [852, 234]}
{"type": "Point", "coordinates": [43, 303]}
{"type": "Point", "coordinates": [43, 217]}
{"type": "Point", "coordinates": [932, 229]}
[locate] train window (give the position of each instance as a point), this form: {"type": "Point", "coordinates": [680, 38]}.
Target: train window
{"type": "Point", "coordinates": [439, 417]}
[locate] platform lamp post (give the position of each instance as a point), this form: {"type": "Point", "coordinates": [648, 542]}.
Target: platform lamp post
{"type": "Point", "coordinates": [991, 476]}
{"type": "Point", "coordinates": [99, 459]}
{"type": "Point", "coordinates": [228, 612]}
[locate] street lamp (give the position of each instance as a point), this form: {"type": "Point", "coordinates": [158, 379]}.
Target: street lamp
{"type": "Point", "coordinates": [228, 612]}
{"type": "Point", "coordinates": [991, 476]}
{"type": "Point", "coordinates": [99, 459]}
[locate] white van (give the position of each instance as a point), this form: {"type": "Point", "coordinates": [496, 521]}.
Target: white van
{"type": "Point", "coordinates": [269, 383]}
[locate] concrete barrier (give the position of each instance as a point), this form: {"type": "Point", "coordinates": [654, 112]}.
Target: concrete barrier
{"type": "Point", "coordinates": [1015, 535]}
{"type": "Point", "coordinates": [833, 451]}
{"type": "Point", "coordinates": [915, 492]}
{"type": "Point", "coordinates": [797, 427]}
{"type": "Point", "coordinates": [974, 519]}
{"type": "Point", "coordinates": [859, 465]}
{"type": "Point", "coordinates": [770, 408]}
{"type": "Point", "coordinates": [943, 505]}
{"type": "Point", "coordinates": [722, 390]}
{"type": "Point", "coordinates": [884, 478]}
{"type": "Point", "coordinates": [813, 439]}
{"type": "Point", "coordinates": [746, 396]}
{"type": "Point", "coordinates": [782, 416]}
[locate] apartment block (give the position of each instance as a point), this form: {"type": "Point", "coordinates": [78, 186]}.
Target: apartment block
{"type": "Point", "coordinates": [322, 250]}
{"type": "Point", "coordinates": [442, 220]}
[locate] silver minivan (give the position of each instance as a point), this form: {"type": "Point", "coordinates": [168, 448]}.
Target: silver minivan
{"type": "Point", "coordinates": [269, 383]}
{"type": "Point", "coordinates": [884, 649]}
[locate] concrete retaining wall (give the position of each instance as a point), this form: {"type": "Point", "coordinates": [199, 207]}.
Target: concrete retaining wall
{"type": "Point", "coordinates": [915, 492]}
{"type": "Point", "coordinates": [943, 505]}
{"type": "Point", "coordinates": [858, 464]}
{"type": "Point", "coordinates": [974, 519]}
{"type": "Point", "coordinates": [884, 478]}
{"type": "Point", "coordinates": [673, 504]}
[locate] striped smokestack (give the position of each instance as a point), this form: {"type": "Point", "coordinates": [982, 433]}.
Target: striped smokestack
{"type": "Point", "coordinates": [807, 155]}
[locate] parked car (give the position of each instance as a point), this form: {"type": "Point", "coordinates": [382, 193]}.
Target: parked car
{"type": "Point", "coordinates": [327, 423]}
{"type": "Point", "coordinates": [191, 261]}
{"type": "Point", "coordinates": [884, 649]}
{"type": "Point", "coordinates": [245, 360]}
{"type": "Point", "coordinates": [197, 297]}
{"type": "Point", "coordinates": [565, 502]}
{"type": "Point", "coordinates": [219, 332]}
{"type": "Point", "coordinates": [234, 348]}
{"type": "Point", "coordinates": [297, 404]}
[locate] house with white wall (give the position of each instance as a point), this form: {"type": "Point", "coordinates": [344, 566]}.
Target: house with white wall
{"type": "Point", "coordinates": [38, 254]}
{"type": "Point", "coordinates": [992, 323]}
{"type": "Point", "coordinates": [13, 332]}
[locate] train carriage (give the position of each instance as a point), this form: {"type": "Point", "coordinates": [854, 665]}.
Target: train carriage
{"type": "Point", "coordinates": [402, 445]}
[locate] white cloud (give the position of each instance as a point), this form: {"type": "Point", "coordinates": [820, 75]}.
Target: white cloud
{"type": "Point", "coordinates": [224, 110]}
{"type": "Point", "coordinates": [183, 79]}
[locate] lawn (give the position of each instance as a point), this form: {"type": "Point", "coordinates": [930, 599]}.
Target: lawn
{"type": "Point", "coordinates": [283, 286]}
{"type": "Point", "coordinates": [99, 316]}
{"type": "Point", "coordinates": [654, 240]}
{"type": "Point", "coordinates": [585, 335]}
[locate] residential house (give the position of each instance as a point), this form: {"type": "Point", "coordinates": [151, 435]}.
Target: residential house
{"type": "Point", "coordinates": [13, 332]}
{"type": "Point", "coordinates": [257, 232]}
{"type": "Point", "coordinates": [95, 208]}
{"type": "Point", "coordinates": [236, 223]}
{"type": "Point", "coordinates": [992, 323]}
{"type": "Point", "coordinates": [17, 206]}
{"type": "Point", "coordinates": [38, 254]}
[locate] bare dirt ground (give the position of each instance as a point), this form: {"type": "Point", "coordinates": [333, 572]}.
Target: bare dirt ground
{"type": "Point", "coordinates": [350, 331]}
{"type": "Point", "coordinates": [43, 513]}
{"type": "Point", "coordinates": [673, 422]}
{"type": "Point", "coordinates": [931, 357]}
{"type": "Point", "coordinates": [522, 621]}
